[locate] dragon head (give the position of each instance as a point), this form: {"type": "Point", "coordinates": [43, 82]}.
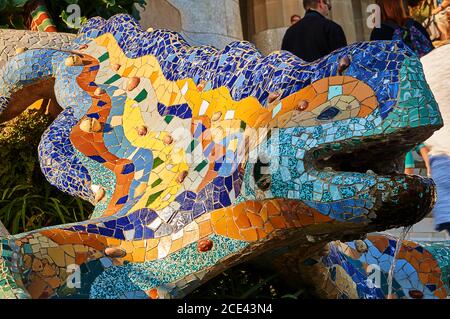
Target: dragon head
{"type": "Point", "coordinates": [338, 143]}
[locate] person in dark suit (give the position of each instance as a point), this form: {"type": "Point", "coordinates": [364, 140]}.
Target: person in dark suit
{"type": "Point", "coordinates": [314, 36]}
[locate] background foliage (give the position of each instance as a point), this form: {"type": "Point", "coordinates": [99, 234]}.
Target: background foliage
{"type": "Point", "coordinates": [11, 14]}
{"type": "Point", "coordinates": [12, 11]}
{"type": "Point", "coordinates": [27, 200]}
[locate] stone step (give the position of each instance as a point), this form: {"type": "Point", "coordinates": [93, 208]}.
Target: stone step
{"type": "Point", "coordinates": [422, 231]}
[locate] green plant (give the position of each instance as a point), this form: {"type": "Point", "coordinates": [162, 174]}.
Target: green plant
{"type": "Point", "coordinates": [27, 200]}
{"type": "Point", "coordinates": [11, 14]}
{"type": "Point", "coordinates": [91, 8]}
{"type": "Point", "coordinates": [19, 139]}
{"type": "Point", "coordinates": [23, 209]}
{"type": "Point", "coordinates": [13, 10]}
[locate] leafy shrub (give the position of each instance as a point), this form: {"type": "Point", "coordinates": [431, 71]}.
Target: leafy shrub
{"type": "Point", "coordinates": [25, 208]}
{"type": "Point", "coordinates": [27, 200]}
{"type": "Point", "coordinates": [91, 8]}
{"type": "Point", "coordinates": [12, 11]}
{"type": "Point", "coordinates": [11, 14]}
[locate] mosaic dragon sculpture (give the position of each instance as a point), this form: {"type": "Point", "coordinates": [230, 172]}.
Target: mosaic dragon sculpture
{"type": "Point", "coordinates": [198, 159]}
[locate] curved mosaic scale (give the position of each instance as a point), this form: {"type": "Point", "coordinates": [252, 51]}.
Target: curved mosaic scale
{"type": "Point", "coordinates": [59, 161]}
{"type": "Point", "coordinates": [198, 159]}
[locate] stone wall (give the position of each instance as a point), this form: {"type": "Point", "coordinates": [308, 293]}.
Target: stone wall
{"type": "Point", "coordinates": [212, 22]}
{"type": "Point", "coordinates": [266, 21]}
{"type": "Point", "coordinates": [347, 13]}
{"type": "Point", "coordinates": [422, 231]}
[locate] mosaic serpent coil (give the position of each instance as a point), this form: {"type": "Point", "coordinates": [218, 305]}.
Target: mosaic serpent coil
{"type": "Point", "coordinates": [197, 159]}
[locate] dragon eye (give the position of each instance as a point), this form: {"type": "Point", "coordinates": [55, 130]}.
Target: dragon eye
{"type": "Point", "coordinates": [328, 114]}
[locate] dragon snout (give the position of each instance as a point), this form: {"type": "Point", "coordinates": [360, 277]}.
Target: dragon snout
{"type": "Point", "coordinates": [416, 105]}
{"type": "Point", "coordinates": [406, 207]}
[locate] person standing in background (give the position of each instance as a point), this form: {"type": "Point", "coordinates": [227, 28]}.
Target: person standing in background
{"type": "Point", "coordinates": [437, 73]}
{"type": "Point", "coordinates": [441, 18]}
{"type": "Point", "coordinates": [433, 15]}
{"type": "Point", "coordinates": [295, 18]}
{"type": "Point", "coordinates": [437, 161]}
{"type": "Point", "coordinates": [314, 36]}
{"type": "Point", "coordinates": [397, 25]}
{"type": "Point", "coordinates": [440, 172]}
{"type": "Point", "coordinates": [422, 150]}
{"type": "Point", "coordinates": [420, 10]}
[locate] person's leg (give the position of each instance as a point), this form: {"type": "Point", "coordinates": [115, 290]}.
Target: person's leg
{"type": "Point", "coordinates": [409, 163]}
{"type": "Point", "coordinates": [444, 226]}
{"type": "Point", "coordinates": [440, 172]}
{"type": "Point", "coordinates": [447, 228]}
